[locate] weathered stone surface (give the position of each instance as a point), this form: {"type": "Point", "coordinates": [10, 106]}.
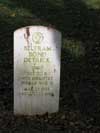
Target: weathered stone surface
{"type": "Point", "coordinates": [37, 51]}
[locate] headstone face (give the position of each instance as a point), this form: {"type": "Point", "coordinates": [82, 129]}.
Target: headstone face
{"type": "Point", "coordinates": [37, 51]}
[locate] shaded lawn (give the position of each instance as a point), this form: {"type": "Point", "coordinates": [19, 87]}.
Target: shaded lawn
{"type": "Point", "coordinates": [79, 23]}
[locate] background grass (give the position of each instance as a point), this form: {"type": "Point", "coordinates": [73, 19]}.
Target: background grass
{"type": "Point", "coordinates": [79, 23]}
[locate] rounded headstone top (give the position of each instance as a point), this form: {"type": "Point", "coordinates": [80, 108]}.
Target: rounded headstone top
{"type": "Point", "coordinates": [38, 26]}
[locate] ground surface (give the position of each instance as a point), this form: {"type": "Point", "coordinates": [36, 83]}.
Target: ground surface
{"type": "Point", "coordinates": [79, 22]}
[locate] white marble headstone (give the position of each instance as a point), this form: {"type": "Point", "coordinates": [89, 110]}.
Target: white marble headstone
{"type": "Point", "coordinates": [37, 51]}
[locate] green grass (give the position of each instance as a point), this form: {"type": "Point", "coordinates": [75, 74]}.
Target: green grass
{"type": "Point", "coordinates": [74, 48]}
{"type": "Point", "coordinates": [95, 4]}
{"type": "Point", "coordinates": [6, 2]}
{"type": "Point", "coordinates": [5, 10]}
{"type": "Point", "coordinates": [79, 25]}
